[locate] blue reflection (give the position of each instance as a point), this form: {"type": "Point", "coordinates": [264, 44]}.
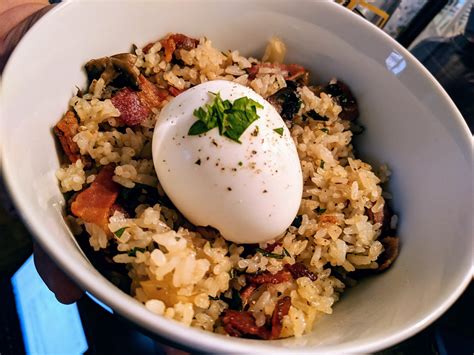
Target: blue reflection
{"type": "Point", "coordinates": [48, 327]}
{"type": "Point", "coordinates": [103, 305]}
{"type": "Point", "coordinates": [395, 63]}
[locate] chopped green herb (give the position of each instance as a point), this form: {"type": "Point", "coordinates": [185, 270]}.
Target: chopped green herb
{"type": "Point", "coordinates": [133, 252]}
{"type": "Point", "coordinates": [321, 164]}
{"type": "Point", "coordinates": [319, 210]}
{"type": "Point", "coordinates": [232, 119]}
{"type": "Point", "coordinates": [297, 221]}
{"type": "Point", "coordinates": [269, 255]}
{"type": "Point", "coordinates": [279, 130]}
{"type": "Point", "coordinates": [325, 130]}
{"type": "Point", "coordinates": [177, 238]}
{"type": "Point", "coordinates": [286, 252]}
{"type": "Point", "coordinates": [240, 163]}
{"type": "Point", "coordinates": [120, 231]}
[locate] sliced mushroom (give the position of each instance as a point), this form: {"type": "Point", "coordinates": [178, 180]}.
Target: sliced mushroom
{"type": "Point", "coordinates": [391, 247]}
{"type": "Point", "coordinates": [119, 69]}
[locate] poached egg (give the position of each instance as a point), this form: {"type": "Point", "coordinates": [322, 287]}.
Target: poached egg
{"type": "Point", "coordinates": [250, 191]}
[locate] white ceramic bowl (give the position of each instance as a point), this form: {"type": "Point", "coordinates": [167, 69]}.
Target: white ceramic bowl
{"type": "Point", "coordinates": [411, 124]}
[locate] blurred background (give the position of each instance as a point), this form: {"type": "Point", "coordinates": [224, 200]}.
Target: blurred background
{"type": "Point", "coordinates": [440, 33]}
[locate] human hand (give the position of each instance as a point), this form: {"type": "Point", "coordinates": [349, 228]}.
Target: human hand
{"type": "Point", "coordinates": [16, 17]}
{"type": "Point", "coordinates": [63, 288]}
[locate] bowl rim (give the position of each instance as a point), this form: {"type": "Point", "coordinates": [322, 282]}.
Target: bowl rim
{"type": "Point", "coordinates": [189, 337]}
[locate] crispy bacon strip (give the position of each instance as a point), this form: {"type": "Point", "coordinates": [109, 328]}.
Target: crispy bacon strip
{"type": "Point", "coordinates": [298, 270]}
{"type": "Point", "coordinates": [94, 203]}
{"type": "Point", "coordinates": [294, 71]}
{"type": "Point", "coordinates": [65, 130]}
{"type": "Point", "coordinates": [177, 41]}
{"type": "Point", "coordinates": [175, 92]}
{"type": "Point", "coordinates": [150, 95]}
{"type": "Point", "coordinates": [281, 309]}
{"type": "Point", "coordinates": [269, 278]}
{"type": "Point", "coordinates": [237, 324]}
{"type": "Point", "coordinates": [246, 292]}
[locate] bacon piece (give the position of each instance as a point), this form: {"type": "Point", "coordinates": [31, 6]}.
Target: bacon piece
{"type": "Point", "coordinates": [65, 130]}
{"type": "Point", "coordinates": [135, 106]}
{"type": "Point", "coordinates": [150, 95]}
{"type": "Point", "coordinates": [298, 270]}
{"type": "Point", "coordinates": [237, 324]}
{"type": "Point", "coordinates": [281, 309]}
{"type": "Point", "coordinates": [174, 91]}
{"type": "Point", "coordinates": [132, 111]}
{"type": "Point", "coordinates": [294, 71]}
{"type": "Point", "coordinates": [94, 203]}
{"type": "Point", "coordinates": [269, 278]}
{"type": "Point", "coordinates": [177, 41]}
{"type": "Point", "coordinates": [391, 248]}
{"type": "Point", "coordinates": [246, 293]}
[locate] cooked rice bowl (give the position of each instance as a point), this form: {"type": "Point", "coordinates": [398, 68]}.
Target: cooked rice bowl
{"type": "Point", "coordinates": [271, 290]}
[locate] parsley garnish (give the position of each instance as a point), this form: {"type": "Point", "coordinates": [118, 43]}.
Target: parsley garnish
{"type": "Point", "coordinates": [319, 210]}
{"type": "Point", "coordinates": [279, 130]}
{"type": "Point", "coordinates": [232, 119]}
{"type": "Point", "coordinates": [325, 130]}
{"type": "Point", "coordinates": [270, 255]}
{"type": "Point", "coordinates": [286, 252]}
{"type": "Point", "coordinates": [321, 164]}
{"type": "Point", "coordinates": [133, 252]}
{"type": "Point", "coordinates": [120, 231]}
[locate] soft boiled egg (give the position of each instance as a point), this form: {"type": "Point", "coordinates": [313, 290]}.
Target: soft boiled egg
{"type": "Point", "coordinates": [249, 191]}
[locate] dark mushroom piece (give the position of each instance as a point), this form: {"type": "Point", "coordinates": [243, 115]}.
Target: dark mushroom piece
{"type": "Point", "coordinates": [118, 69]}
{"type": "Point", "coordinates": [286, 101]}
{"type": "Point", "coordinates": [391, 247]}
{"type": "Point", "coordinates": [343, 96]}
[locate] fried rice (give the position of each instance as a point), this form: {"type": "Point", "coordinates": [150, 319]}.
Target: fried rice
{"type": "Point", "coordinates": [192, 274]}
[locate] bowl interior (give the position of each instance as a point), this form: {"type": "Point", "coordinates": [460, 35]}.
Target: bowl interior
{"type": "Point", "coordinates": [411, 125]}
